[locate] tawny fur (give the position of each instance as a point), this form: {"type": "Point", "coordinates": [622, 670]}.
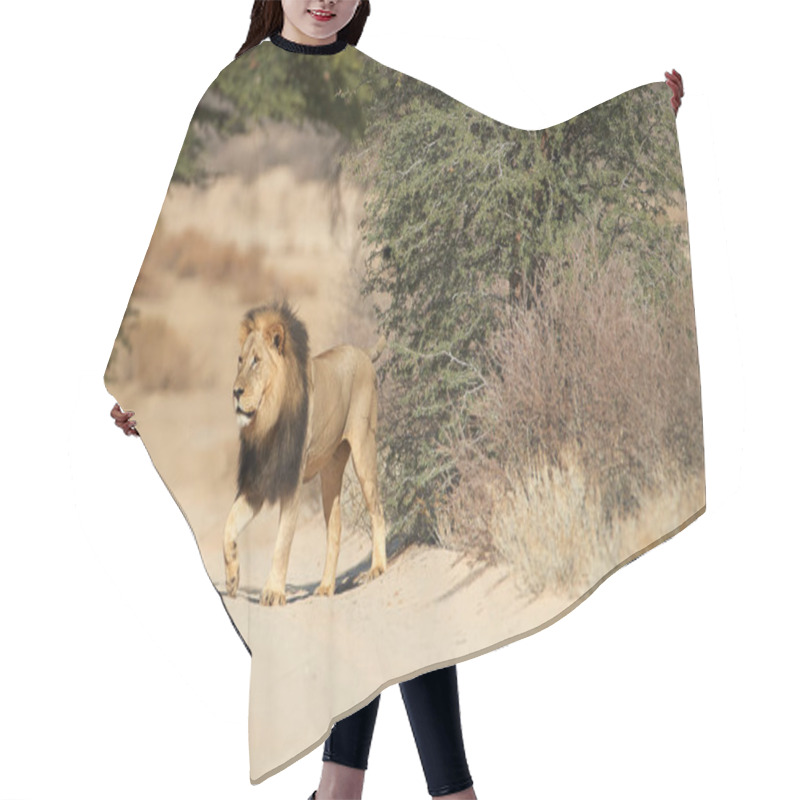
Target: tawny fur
{"type": "Point", "coordinates": [300, 416]}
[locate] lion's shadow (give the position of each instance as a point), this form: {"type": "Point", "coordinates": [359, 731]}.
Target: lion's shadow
{"type": "Point", "coordinates": [346, 581]}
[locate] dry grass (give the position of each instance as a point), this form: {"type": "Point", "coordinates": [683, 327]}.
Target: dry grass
{"type": "Point", "coordinates": [552, 527]}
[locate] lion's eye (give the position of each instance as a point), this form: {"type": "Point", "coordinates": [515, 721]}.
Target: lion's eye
{"type": "Point", "coordinates": [255, 360]}
{"type": "Point", "coordinates": [240, 361]}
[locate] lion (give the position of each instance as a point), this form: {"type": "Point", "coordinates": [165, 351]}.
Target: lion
{"type": "Point", "coordinates": [299, 416]}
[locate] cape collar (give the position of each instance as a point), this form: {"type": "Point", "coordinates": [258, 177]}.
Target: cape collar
{"type": "Point", "coordinates": [316, 49]}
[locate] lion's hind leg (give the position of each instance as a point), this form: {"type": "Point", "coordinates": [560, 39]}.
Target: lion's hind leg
{"type": "Point", "coordinates": [365, 462]}
{"type": "Point", "coordinates": [331, 480]}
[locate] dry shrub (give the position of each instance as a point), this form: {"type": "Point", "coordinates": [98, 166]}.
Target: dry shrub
{"type": "Point", "coordinates": [191, 254]}
{"type": "Point", "coordinates": [160, 360]}
{"type": "Point", "coordinates": [593, 405]}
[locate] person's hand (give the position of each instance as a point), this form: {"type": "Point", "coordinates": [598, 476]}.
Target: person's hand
{"type": "Point", "coordinates": [123, 419]}
{"type": "Point", "coordinates": [675, 82]}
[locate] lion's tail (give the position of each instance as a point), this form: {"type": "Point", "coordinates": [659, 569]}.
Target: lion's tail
{"type": "Point", "coordinates": [377, 348]}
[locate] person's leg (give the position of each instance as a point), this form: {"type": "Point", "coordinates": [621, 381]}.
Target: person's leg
{"type": "Point", "coordinates": [345, 755]}
{"type": "Point", "coordinates": [433, 710]}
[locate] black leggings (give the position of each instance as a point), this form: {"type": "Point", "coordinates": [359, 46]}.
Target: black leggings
{"type": "Point", "coordinates": [432, 706]}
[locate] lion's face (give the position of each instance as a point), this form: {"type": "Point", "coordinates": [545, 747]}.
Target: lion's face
{"type": "Point", "coordinates": [259, 367]}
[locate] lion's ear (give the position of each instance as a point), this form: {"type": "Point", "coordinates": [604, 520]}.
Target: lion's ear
{"type": "Point", "coordinates": [275, 335]}
{"type": "Point", "coordinates": [245, 327]}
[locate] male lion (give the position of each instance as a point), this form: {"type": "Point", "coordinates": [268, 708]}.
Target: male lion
{"type": "Point", "coordinates": [299, 416]}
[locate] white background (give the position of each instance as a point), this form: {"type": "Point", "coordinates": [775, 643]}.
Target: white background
{"type": "Point", "coordinates": [120, 674]}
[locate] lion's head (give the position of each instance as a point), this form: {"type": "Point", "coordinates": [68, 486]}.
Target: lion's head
{"type": "Point", "coordinates": [270, 398]}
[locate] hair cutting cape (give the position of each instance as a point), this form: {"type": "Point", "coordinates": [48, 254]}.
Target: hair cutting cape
{"type": "Point", "coordinates": [418, 380]}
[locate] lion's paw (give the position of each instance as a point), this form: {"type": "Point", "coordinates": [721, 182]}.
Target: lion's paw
{"type": "Point", "coordinates": [270, 597]}
{"type": "Point", "coordinates": [369, 574]}
{"type": "Point", "coordinates": [232, 582]}
{"type": "Point", "coordinates": [324, 590]}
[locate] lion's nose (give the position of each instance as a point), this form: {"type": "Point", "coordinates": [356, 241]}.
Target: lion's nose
{"type": "Point", "coordinates": [237, 393]}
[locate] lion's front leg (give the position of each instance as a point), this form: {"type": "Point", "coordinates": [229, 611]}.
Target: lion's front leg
{"type": "Point", "coordinates": [238, 517]}
{"type": "Point", "coordinates": [331, 484]}
{"type": "Point", "coordinates": [274, 591]}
